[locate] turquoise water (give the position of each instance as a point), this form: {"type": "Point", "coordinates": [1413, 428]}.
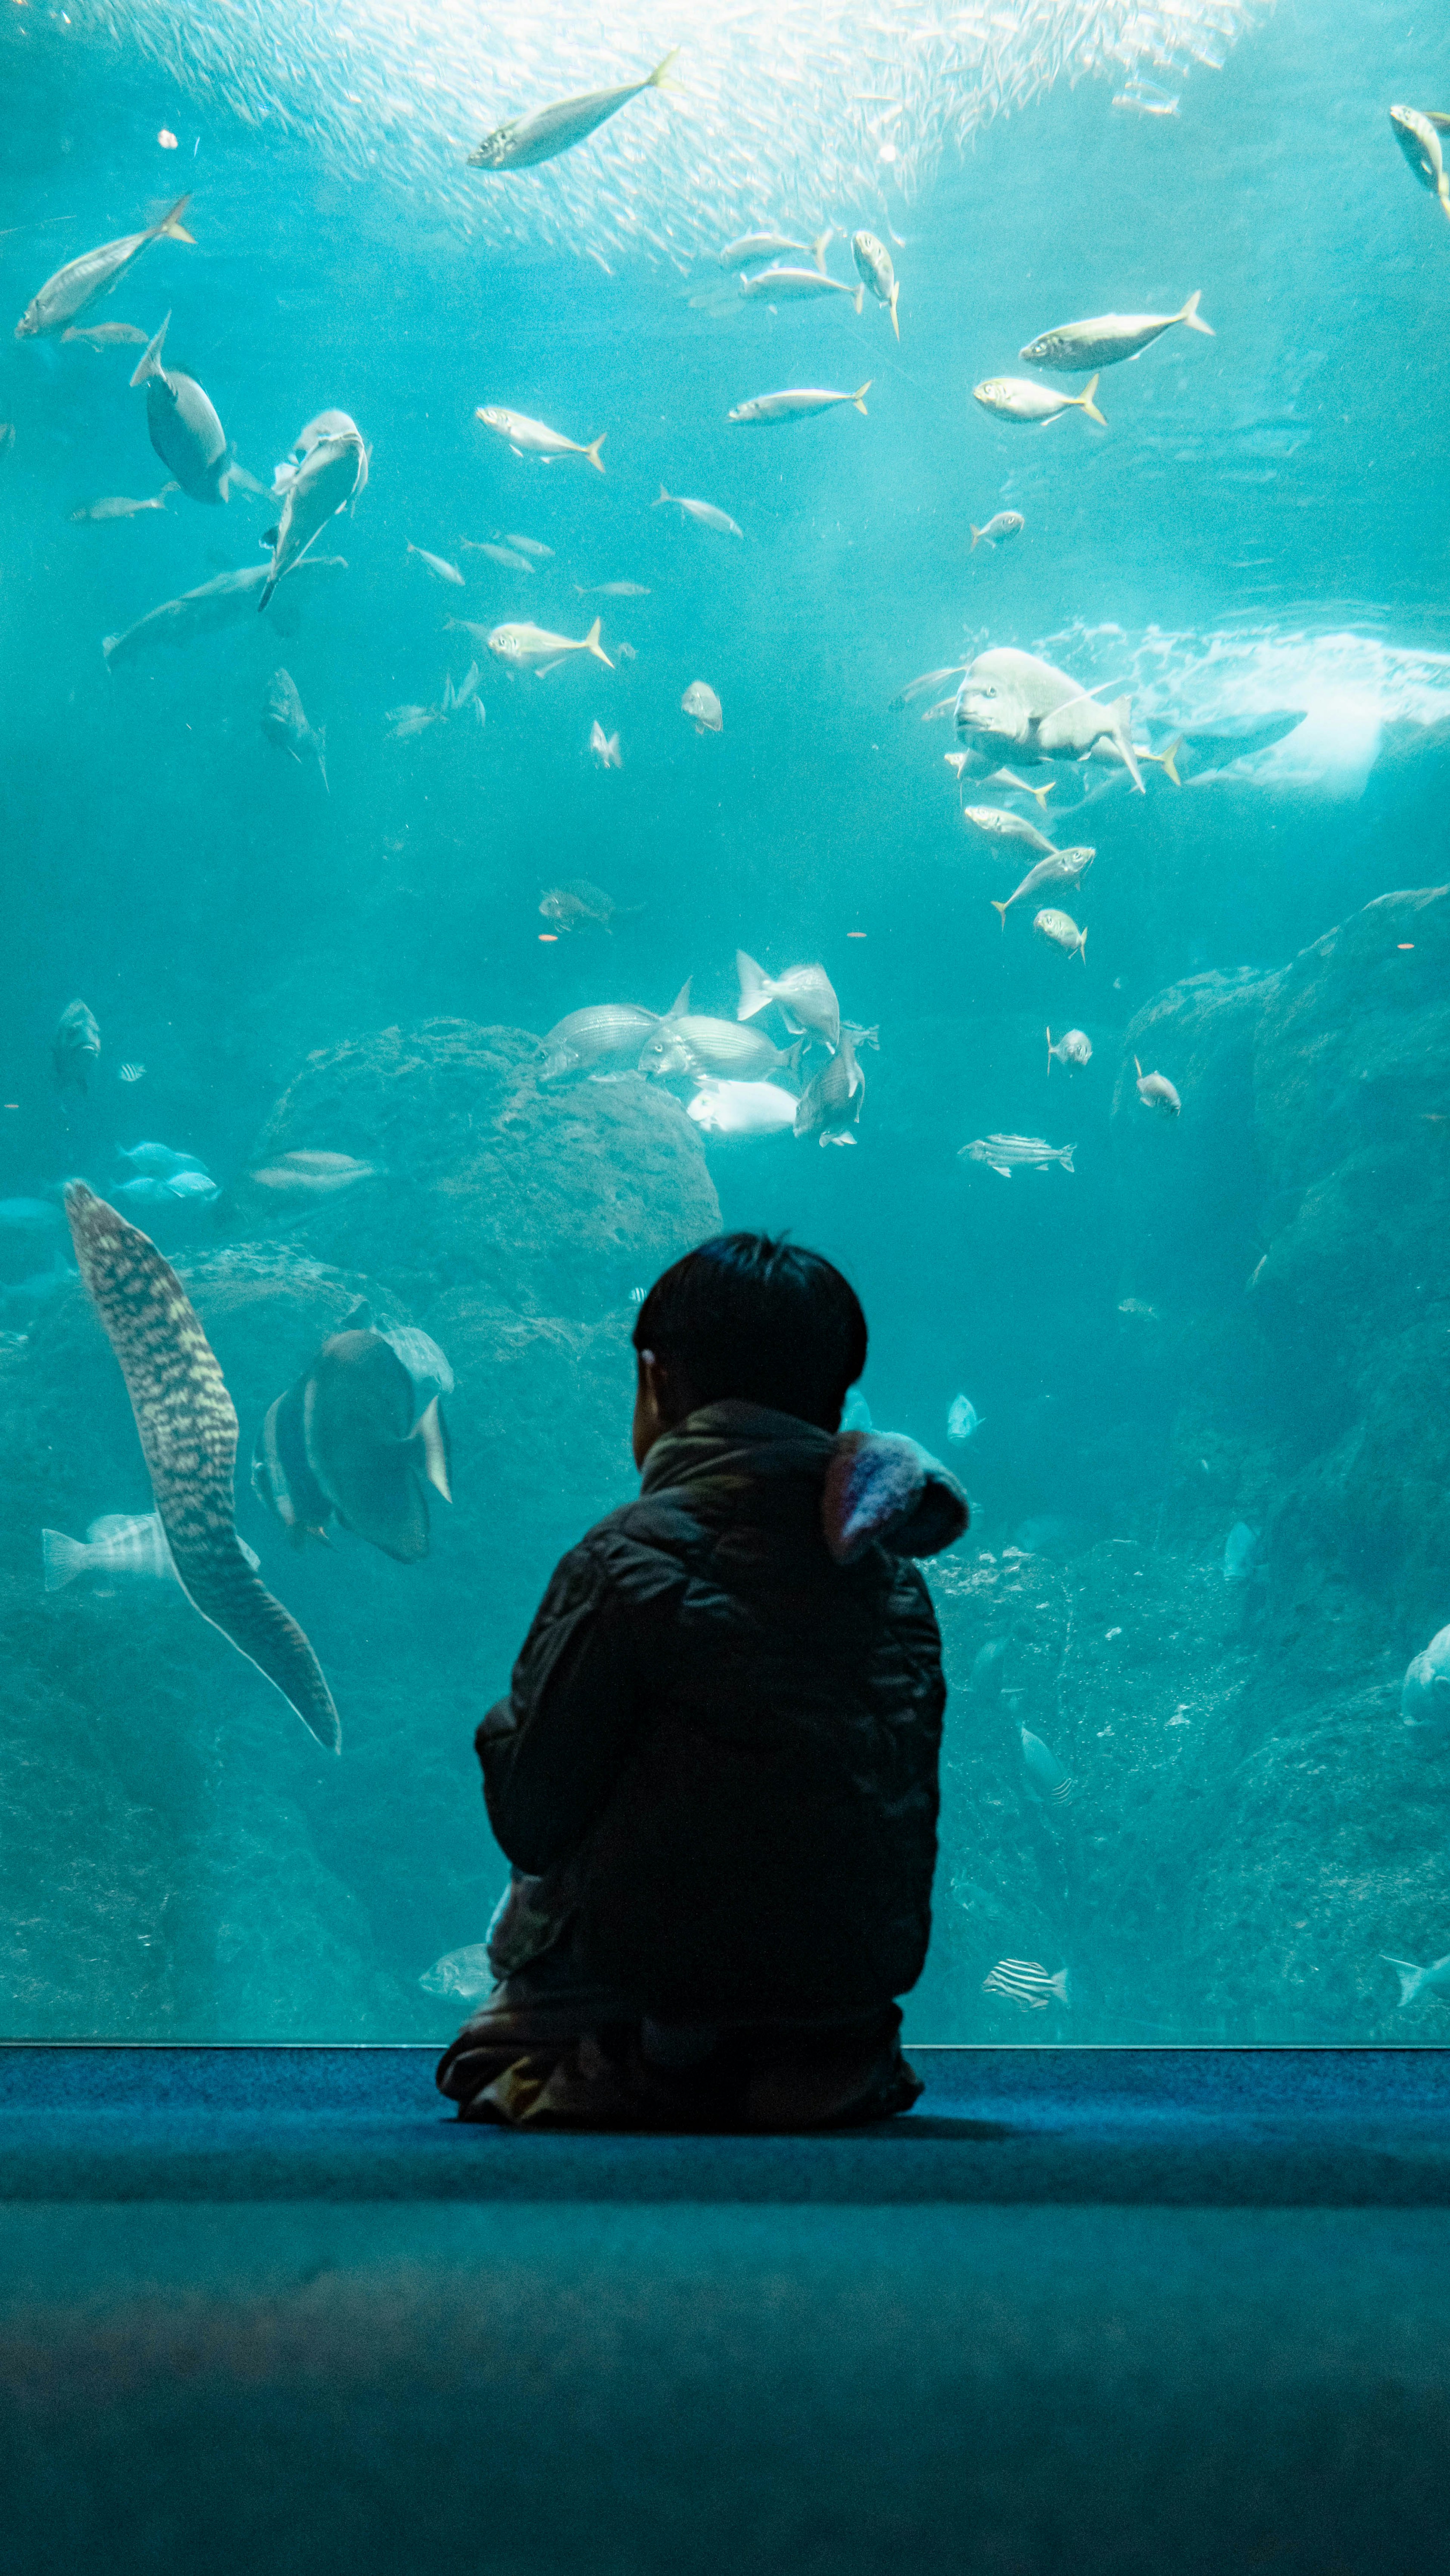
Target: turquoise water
{"type": "Point", "coordinates": [1232, 1317]}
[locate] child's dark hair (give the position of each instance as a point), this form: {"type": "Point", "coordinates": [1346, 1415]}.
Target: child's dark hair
{"type": "Point", "coordinates": [761, 1319]}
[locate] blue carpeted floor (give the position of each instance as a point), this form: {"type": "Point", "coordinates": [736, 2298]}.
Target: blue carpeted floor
{"type": "Point", "coordinates": [1085, 2311]}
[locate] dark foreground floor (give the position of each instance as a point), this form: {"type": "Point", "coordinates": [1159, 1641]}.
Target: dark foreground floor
{"type": "Point", "coordinates": [271, 2310]}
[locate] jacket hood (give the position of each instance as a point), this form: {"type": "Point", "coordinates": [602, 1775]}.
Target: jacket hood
{"type": "Point", "coordinates": [878, 1488]}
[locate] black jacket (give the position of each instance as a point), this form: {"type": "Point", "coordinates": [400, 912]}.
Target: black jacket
{"type": "Point", "coordinates": [720, 1749]}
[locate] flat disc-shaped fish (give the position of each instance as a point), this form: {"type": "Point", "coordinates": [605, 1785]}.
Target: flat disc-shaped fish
{"type": "Point", "coordinates": [188, 1430]}
{"type": "Point", "coordinates": [358, 1409]}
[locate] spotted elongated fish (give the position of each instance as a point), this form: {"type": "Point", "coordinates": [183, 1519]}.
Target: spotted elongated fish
{"type": "Point", "coordinates": [187, 1425]}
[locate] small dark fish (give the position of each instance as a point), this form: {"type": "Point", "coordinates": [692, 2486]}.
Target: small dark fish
{"type": "Point", "coordinates": [188, 1430]}
{"type": "Point", "coordinates": [348, 1442]}
{"type": "Point", "coordinates": [75, 1046]}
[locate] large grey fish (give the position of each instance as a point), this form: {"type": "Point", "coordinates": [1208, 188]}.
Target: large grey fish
{"type": "Point", "coordinates": [1007, 1154]}
{"type": "Point", "coordinates": [704, 513]}
{"type": "Point", "coordinates": [544, 132]}
{"type": "Point", "coordinates": [75, 1046]}
{"type": "Point", "coordinates": [349, 1442]}
{"type": "Point", "coordinates": [798, 402]}
{"type": "Point", "coordinates": [119, 1548]}
{"type": "Point", "coordinates": [184, 426]}
{"type": "Point", "coordinates": [873, 263]}
{"type": "Point", "coordinates": [830, 1106]}
{"type": "Point", "coordinates": [285, 723]}
{"type": "Point", "coordinates": [188, 1430]}
{"type": "Point", "coordinates": [689, 1042]}
{"type": "Point", "coordinates": [219, 602]}
{"type": "Point", "coordinates": [1417, 132]}
{"type": "Point", "coordinates": [1060, 867]}
{"type": "Point", "coordinates": [1015, 697]}
{"type": "Point", "coordinates": [82, 282]}
{"type": "Point", "coordinates": [603, 1032]}
{"type": "Point", "coordinates": [1078, 348]}
{"type": "Point", "coordinates": [333, 473]}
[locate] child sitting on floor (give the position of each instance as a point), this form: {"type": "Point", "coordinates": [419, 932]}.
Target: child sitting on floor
{"type": "Point", "coordinates": [716, 1771]}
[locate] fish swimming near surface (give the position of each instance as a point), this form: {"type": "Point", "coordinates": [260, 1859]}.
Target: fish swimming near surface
{"type": "Point", "coordinates": [1425, 1692]}
{"type": "Point", "coordinates": [1046, 1774]}
{"type": "Point", "coordinates": [521, 647]}
{"type": "Point", "coordinates": [1241, 1547]}
{"type": "Point", "coordinates": [1017, 399]}
{"type": "Point", "coordinates": [213, 604]}
{"type": "Point", "coordinates": [603, 1032]}
{"type": "Point", "coordinates": [348, 1442]}
{"type": "Point", "coordinates": [466, 1973]}
{"type": "Point", "coordinates": [1061, 931]}
{"type": "Point", "coordinates": [188, 1432]}
{"type": "Point", "coordinates": [118, 1549]}
{"type": "Point", "coordinates": [75, 1047]}
{"type": "Point", "coordinates": [1416, 1981]}
{"type": "Point", "coordinates": [1417, 132]}
{"type": "Point", "coordinates": [82, 282]}
{"type": "Point", "coordinates": [704, 513]}
{"type": "Point", "coordinates": [106, 335]}
{"type": "Point", "coordinates": [285, 723]}
{"type": "Point", "coordinates": [753, 246]}
{"type": "Point", "coordinates": [1008, 1154]}
{"type": "Point", "coordinates": [579, 901]}
{"type": "Point", "coordinates": [310, 1173]}
{"type": "Point", "coordinates": [1026, 1982]}
{"type": "Point", "coordinates": [333, 473]}
{"type": "Point", "coordinates": [742, 1109]}
{"type": "Point", "coordinates": [963, 1419]}
{"type": "Point", "coordinates": [1074, 1048]}
{"type": "Point", "coordinates": [830, 1106]}
{"type": "Point", "coordinates": [184, 427]}
{"type": "Point", "coordinates": [873, 264]}
{"type": "Point", "coordinates": [438, 566]}
{"type": "Point", "coordinates": [535, 438]}
{"type": "Point", "coordinates": [505, 555]}
{"type": "Point", "coordinates": [997, 532]}
{"type": "Point", "coordinates": [1156, 1091]}
{"type": "Point", "coordinates": [798, 402]}
{"type": "Point", "coordinates": [797, 286]}
{"type": "Point", "coordinates": [1075, 348]}
{"type": "Point", "coordinates": [804, 993]}
{"type": "Point", "coordinates": [119, 507]}
{"type": "Point", "coordinates": [703, 708]}
{"type": "Point", "coordinates": [997, 824]}
{"type": "Point", "coordinates": [1060, 867]}
{"type": "Point", "coordinates": [605, 747]}
{"type": "Point", "coordinates": [544, 132]}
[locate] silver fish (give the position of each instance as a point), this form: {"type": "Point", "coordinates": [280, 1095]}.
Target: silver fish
{"type": "Point", "coordinates": [1417, 132]}
{"type": "Point", "coordinates": [161, 1161]}
{"type": "Point", "coordinates": [1017, 399]}
{"type": "Point", "coordinates": [611, 589]}
{"type": "Point", "coordinates": [120, 1547]}
{"type": "Point", "coordinates": [1061, 867]}
{"type": "Point", "coordinates": [704, 513]}
{"type": "Point", "coordinates": [830, 1107]}
{"type": "Point", "coordinates": [183, 424]}
{"type": "Point", "coordinates": [1046, 1773]}
{"type": "Point", "coordinates": [466, 1973]}
{"type": "Point", "coordinates": [535, 438]}
{"type": "Point", "coordinates": [528, 546]}
{"type": "Point", "coordinates": [873, 262]}
{"type": "Point", "coordinates": [1415, 1981]}
{"type": "Point", "coordinates": [605, 747]}
{"type": "Point", "coordinates": [1007, 1154]}
{"type": "Point", "coordinates": [742, 1108]}
{"type": "Point", "coordinates": [540, 135]}
{"type": "Point", "coordinates": [796, 286]}
{"type": "Point", "coordinates": [753, 246]}
{"type": "Point", "coordinates": [703, 707]}
{"type": "Point", "coordinates": [188, 1430]}
{"type": "Point", "coordinates": [522, 647]}
{"type": "Point", "coordinates": [996, 824]}
{"type": "Point", "coordinates": [1075, 348]}
{"type": "Point", "coordinates": [508, 556]}
{"type": "Point", "coordinates": [334, 472]}
{"type": "Point", "coordinates": [799, 402]}
{"type": "Point", "coordinates": [199, 612]}
{"type": "Point", "coordinates": [689, 1042]}
{"type": "Point", "coordinates": [120, 508]}
{"type": "Point", "coordinates": [82, 282]}
{"type": "Point", "coordinates": [1061, 931]}
{"type": "Point", "coordinates": [285, 723]}
{"type": "Point", "coordinates": [438, 565]}
{"type": "Point", "coordinates": [804, 994]}
{"type": "Point", "coordinates": [107, 335]}
{"type": "Point", "coordinates": [1074, 1048]}
{"type": "Point", "coordinates": [307, 1173]}
{"type": "Point", "coordinates": [603, 1033]}
{"type": "Point", "coordinates": [1007, 523]}
{"type": "Point", "coordinates": [1155, 1090]}
{"type": "Point", "coordinates": [1026, 1982]}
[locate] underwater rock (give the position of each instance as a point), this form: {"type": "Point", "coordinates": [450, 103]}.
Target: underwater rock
{"type": "Point", "coordinates": [551, 1198]}
{"type": "Point", "coordinates": [1187, 1186]}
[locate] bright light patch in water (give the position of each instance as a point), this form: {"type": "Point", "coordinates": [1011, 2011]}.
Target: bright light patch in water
{"type": "Point", "coordinates": [790, 113]}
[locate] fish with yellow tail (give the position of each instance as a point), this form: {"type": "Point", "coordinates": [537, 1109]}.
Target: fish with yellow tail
{"type": "Point", "coordinates": [535, 438]}
{"type": "Point", "coordinates": [798, 402]}
{"type": "Point", "coordinates": [1061, 931]}
{"type": "Point", "coordinates": [82, 282]}
{"type": "Point", "coordinates": [544, 132]}
{"type": "Point", "coordinates": [1061, 867]}
{"type": "Point", "coordinates": [1074, 1049]}
{"type": "Point", "coordinates": [873, 267]}
{"type": "Point", "coordinates": [1157, 1092]}
{"type": "Point", "coordinates": [1109, 338]}
{"type": "Point", "coordinates": [1029, 406]}
{"type": "Point", "coordinates": [188, 1430]}
{"type": "Point", "coordinates": [1417, 131]}
{"type": "Point", "coordinates": [521, 647]}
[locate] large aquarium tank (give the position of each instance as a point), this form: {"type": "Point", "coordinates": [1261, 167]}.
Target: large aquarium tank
{"type": "Point", "coordinates": [849, 635]}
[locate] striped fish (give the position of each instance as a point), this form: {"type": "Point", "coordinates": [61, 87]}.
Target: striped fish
{"type": "Point", "coordinates": [130, 1072]}
{"type": "Point", "coordinates": [121, 1547]}
{"type": "Point", "coordinates": [188, 1429]}
{"type": "Point", "coordinates": [1044, 1770]}
{"type": "Point", "coordinates": [1026, 1982]}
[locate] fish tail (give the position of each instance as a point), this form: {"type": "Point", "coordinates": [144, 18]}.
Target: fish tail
{"type": "Point", "coordinates": [431, 1434]}
{"type": "Point", "coordinates": [171, 227]}
{"type": "Point", "coordinates": [1086, 403]}
{"type": "Point", "coordinates": [1121, 715]}
{"type": "Point", "coordinates": [1190, 316]}
{"type": "Point", "coordinates": [62, 1558]}
{"type": "Point", "coordinates": [593, 645]}
{"type": "Point", "coordinates": [1001, 910]}
{"type": "Point", "coordinates": [1062, 1987]}
{"type": "Point", "coordinates": [1137, 1068]}
{"type": "Point", "coordinates": [1082, 945]}
{"type": "Point", "coordinates": [1065, 1158]}
{"type": "Point", "coordinates": [149, 364]}
{"type": "Point", "coordinates": [108, 647]}
{"type": "Point", "coordinates": [660, 77]}
{"type": "Point", "coordinates": [976, 539]}
{"type": "Point", "coordinates": [1411, 1978]}
{"type": "Point", "coordinates": [895, 291]}
{"type": "Point", "coordinates": [1049, 1054]}
{"type": "Point", "coordinates": [322, 754]}
{"type": "Point", "coordinates": [1170, 760]}
{"type": "Point", "coordinates": [821, 245]}
{"type": "Point", "coordinates": [221, 1586]}
{"type": "Point", "coordinates": [754, 990]}
{"type": "Point", "coordinates": [592, 451]}
{"type": "Point", "coordinates": [267, 589]}
{"type": "Point", "coordinates": [859, 396]}
{"type": "Point", "coordinates": [860, 301]}
{"type": "Point", "coordinates": [664, 496]}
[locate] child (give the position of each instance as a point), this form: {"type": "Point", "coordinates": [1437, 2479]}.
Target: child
{"type": "Point", "coordinates": [716, 1771]}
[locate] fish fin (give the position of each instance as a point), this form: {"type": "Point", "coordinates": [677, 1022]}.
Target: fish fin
{"type": "Point", "coordinates": [1409, 1974]}
{"type": "Point", "coordinates": [753, 995]}
{"type": "Point", "coordinates": [660, 77]}
{"type": "Point", "coordinates": [1004, 1168]}
{"type": "Point", "coordinates": [681, 1003]}
{"type": "Point", "coordinates": [431, 1433]}
{"type": "Point", "coordinates": [593, 645]}
{"type": "Point", "coordinates": [149, 363]}
{"type": "Point", "coordinates": [860, 301]}
{"type": "Point", "coordinates": [592, 451]}
{"type": "Point", "coordinates": [664, 496]}
{"type": "Point", "coordinates": [1049, 1055]}
{"type": "Point", "coordinates": [1432, 116]}
{"type": "Point", "coordinates": [895, 291]}
{"type": "Point", "coordinates": [1190, 316]}
{"type": "Point", "coordinates": [171, 227]}
{"type": "Point", "coordinates": [1121, 713]}
{"type": "Point", "coordinates": [480, 710]}
{"type": "Point", "coordinates": [859, 396]}
{"type": "Point", "coordinates": [1062, 1987]}
{"type": "Point", "coordinates": [269, 538]}
{"type": "Point", "coordinates": [62, 1558]}
{"type": "Point", "coordinates": [321, 740]}
{"type": "Point", "coordinates": [1085, 402]}
{"type": "Point", "coordinates": [976, 539]}
{"type": "Point", "coordinates": [821, 245]}
{"type": "Point", "coordinates": [246, 482]}
{"type": "Point", "coordinates": [1001, 910]}
{"type": "Point", "coordinates": [108, 646]}
{"type": "Point", "coordinates": [267, 589]}
{"type": "Point", "coordinates": [1082, 946]}
{"type": "Point", "coordinates": [1068, 1152]}
{"type": "Point", "coordinates": [793, 1055]}
{"type": "Point", "coordinates": [1170, 760]}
